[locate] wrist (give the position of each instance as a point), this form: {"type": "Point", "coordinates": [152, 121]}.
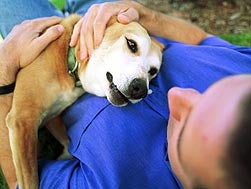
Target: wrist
{"type": "Point", "coordinates": [7, 79]}
{"type": "Point", "coordinates": [8, 69]}
{"type": "Point", "coordinates": [147, 17]}
{"type": "Point", "coordinates": [7, 74]}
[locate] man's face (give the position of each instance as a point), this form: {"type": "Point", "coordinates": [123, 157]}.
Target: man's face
{"type": "Point", "coordinates": [198, 129]}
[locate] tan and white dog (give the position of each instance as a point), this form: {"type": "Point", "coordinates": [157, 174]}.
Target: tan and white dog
{"type": "Point", "coordinates": [119, 69]}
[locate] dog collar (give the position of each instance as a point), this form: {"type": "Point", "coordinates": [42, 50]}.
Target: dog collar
{"type": "Point", "coordinates": [73, 65]}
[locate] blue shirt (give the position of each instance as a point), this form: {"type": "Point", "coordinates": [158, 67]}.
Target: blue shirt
{"type": "Point", "coordinates": [125, 147]}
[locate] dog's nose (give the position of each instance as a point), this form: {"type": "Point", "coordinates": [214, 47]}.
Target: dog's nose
{"type": "Point", "coordinates": [138, 88]}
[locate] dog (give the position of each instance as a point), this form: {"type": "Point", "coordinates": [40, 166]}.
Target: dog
{"type": "Point", "coordinates": [120, 69]}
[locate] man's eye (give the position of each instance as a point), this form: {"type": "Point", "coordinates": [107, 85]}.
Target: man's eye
{"type": "Point", "coordinates": [132, 45]}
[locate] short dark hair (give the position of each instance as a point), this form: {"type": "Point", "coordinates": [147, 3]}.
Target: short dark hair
{"type": "Point", "coordinates": [237, 164]}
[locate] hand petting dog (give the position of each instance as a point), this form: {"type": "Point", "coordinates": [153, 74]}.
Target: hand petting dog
{"type": "Point", "coordinates": [91, 27]}
{"type": "Point", "coordinates": [30, 36]}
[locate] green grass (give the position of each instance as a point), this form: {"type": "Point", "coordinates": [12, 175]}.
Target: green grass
{"type": "Point", "coordinates": [58, 3]}
{"type": "Point", "coordinates": [240, 39]}
{"type": "Point", "coordinates": [3, 184]}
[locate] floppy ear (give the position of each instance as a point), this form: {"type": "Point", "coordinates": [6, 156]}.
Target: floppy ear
{"type": "Point", "coordinates": [160, 45]}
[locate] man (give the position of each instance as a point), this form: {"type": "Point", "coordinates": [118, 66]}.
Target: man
{"type": "Point", "coordinates": [208, 134]}
{"type": "Point", "coordinates": [127, 147]}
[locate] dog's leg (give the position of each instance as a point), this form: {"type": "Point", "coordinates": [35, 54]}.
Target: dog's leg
{"type": "Point", "coordinates": [23, 139]}
{"type": "Point", "coordinates": [6, 161]}
{"type": "Point", "coordinates": [58, 130]}
{"type": "Point", "coordinates": [37, 97]}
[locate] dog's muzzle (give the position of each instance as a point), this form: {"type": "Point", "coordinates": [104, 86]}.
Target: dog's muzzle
{"type": "Point", "coordinates": [137, 90]}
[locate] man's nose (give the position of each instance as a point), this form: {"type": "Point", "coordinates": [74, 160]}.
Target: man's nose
{"type": "Point", "coordinates": [181, 101]}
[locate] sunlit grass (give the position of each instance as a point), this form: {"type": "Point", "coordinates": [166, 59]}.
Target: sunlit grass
{"type": "Point", "coordinates": [240, 39]}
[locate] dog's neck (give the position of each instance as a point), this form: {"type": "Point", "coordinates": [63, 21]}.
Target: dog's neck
{"type": "Point", "coordinates": [73, 66]}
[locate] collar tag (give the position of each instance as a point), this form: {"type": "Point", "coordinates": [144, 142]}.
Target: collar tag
{"type": "Point", "coordinates": [73, 66]}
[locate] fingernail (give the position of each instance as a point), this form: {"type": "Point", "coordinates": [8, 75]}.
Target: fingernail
{"type": "Point", "coordinates": [71, 43]}
{"type": "Point", "coordinates": [82, 55]}
{"type": "Point", "coordinates": [97, 44]}
{"type": "Point", "coordinates": [60, 28]}
{"type": "Point", "coordinates": [123, 18]}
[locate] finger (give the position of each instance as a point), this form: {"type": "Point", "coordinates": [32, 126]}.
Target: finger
{"type": "Point", "coordinates": [86, 35]}
{"type": "Point", "coordinates": [43, 23]}
{"type": "Point", "coordinates": [82, 42]}
{"type": "Point", "coordinates": [76, 32]}
{"type": "Point", "coordinates": [47, 37]}
{"type": "Point", "coordinates": [100, 23]}
{"type": "Point", "coordinates": [84, 39]}
{"type": "Point", "coordinates": [128, 16]}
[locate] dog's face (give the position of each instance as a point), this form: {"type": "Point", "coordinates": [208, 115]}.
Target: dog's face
{"type": "Point", "coordinates": [123, 65]}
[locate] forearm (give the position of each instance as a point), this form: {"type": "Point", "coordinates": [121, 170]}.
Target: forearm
{"type": "Point", "coordinates": [162, 25]}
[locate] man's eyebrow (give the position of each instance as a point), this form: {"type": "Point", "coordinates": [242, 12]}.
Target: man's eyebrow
{"type": "Point", "coordinates": [179, 140]}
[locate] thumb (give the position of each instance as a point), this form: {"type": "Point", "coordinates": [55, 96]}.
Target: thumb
{"type": "Point", "coordinates": [128, 16]}
{"type": "Point", "coordinates": [41, 42]}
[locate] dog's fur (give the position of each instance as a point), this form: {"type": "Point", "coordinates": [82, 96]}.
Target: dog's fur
{"type": "Point", "coordinates": [119, 69]}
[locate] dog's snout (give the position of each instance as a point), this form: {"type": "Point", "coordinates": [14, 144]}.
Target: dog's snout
{"type": "Point", "coordinates": [138, 88]}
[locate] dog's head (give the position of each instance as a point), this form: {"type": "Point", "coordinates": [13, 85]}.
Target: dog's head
{"type": "Point", "coordinates": [123, 65]}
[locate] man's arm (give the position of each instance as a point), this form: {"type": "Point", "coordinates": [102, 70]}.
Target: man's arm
{"type": "Point", "coordinates": [162, 25]}
{"type": "Point", "coordinates": [91, 28]}
{"type": "Point", "coordinates": [19, 48]}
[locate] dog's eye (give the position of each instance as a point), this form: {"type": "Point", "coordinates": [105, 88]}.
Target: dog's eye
{"type": "Point", "coordinates": [153, 71]}
{"type": "Point", "coordinates": [132, 45]}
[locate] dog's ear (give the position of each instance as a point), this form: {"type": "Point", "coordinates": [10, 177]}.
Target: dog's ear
{"type": "Point", "coordinates": [160, 45]}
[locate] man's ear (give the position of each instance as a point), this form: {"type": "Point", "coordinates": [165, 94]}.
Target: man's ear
{"type": "Point", "coordinates": [160, 45]}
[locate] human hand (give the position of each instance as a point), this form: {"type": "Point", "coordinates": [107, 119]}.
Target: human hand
{"type": "Point", "coordinates": [27, 40]}
{"type": "Point", "coordinates": [91, 27]}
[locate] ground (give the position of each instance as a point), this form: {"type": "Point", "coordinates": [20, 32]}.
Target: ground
{"type": "Point", "coordinates": [214, 16]}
